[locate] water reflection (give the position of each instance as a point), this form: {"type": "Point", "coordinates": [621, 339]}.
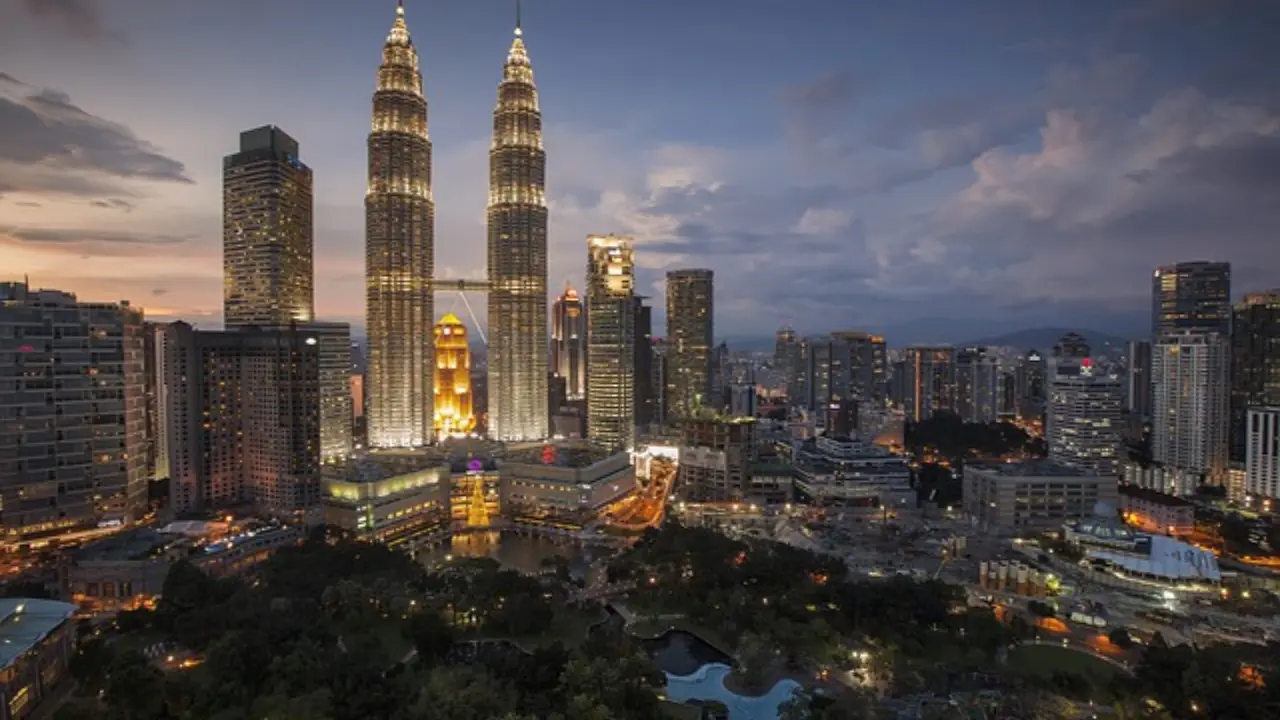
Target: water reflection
{"type": "Point", "coordinates": [681, 653]}
{"type": "Point", "coordinates": [521, 552]}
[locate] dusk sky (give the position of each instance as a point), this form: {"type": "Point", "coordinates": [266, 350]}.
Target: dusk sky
{"type": "Point", "coordinates": [934, 169]}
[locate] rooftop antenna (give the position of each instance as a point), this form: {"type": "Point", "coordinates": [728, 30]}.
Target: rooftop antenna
{"type": "Point", "coordinates": [519, 32]}
{"type": "Point", "coordinates": [400, 7]}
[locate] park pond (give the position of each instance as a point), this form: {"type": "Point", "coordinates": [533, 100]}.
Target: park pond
{"type": "Point", "coordinates": [516, 551]}
{"type": "Point", "coordinates": [696, 670]}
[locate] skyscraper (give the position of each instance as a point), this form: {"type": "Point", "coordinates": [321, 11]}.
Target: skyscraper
{"type": "Point", "coordinates": [245, 421]}
{"type": "Point", "coordinates": [1255, 361]}
{"type": "Point", "coordinates": [1082, 419]}
{"type": "Point", "coordinates": [517, 219]}
{"type": "Point", "coordinates": [611, 337]}
{"type": "Point", "coordinates": [789, 363]}
{"type": "Point", "coordinates": [73, 425]}
{"type": "Point", "coordinates": [1191, 296]}
{"type": "Point", "coordinates": [266, 232]}
{"type": "Point", "coordinates": [643, 363]}
{"type": "Point", "coordinates": [569, 343]}
{"type": "Point", "coordinates": [454, 414]}
{"type": "Point", "coordinates": [976, 385]}
{"type": "Point", "coordinates": [929, 382]}
{"type": "Point", "coordinates": [399, 251]}
{"type": "Point", "coordinates": [1190, 372]}
{"type": "Point", "coordinates": [690, 317]}
{"type": "Point", "coordinates": [1138, 397]}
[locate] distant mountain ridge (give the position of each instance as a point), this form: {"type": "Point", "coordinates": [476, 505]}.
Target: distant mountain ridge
{"type": "Point", "coordinates": [1044, 339]}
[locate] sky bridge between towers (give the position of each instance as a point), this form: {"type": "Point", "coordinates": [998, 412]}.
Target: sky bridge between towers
{"type": "Point", "coordinates": [462, 287]}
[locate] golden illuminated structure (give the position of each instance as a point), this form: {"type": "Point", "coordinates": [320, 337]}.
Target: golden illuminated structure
{"type": "Point", "coordinates": [478, 508]}
{"type": "Point", "coordinates": [690, 312]}
{"type": "Point", "coordinates": [267, 277]}
{"type": "Point", "coordinates": [517, 220]}
{"type": "Point", "coordinates": [399, 250]}
{"type": "Point", "coordinates": [611, 338]}
{"type": "Point", "coordinates": [453, 411]}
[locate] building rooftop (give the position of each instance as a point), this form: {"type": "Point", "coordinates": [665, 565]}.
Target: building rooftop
{"type": "Point", "coordinates": [1031, 468]}
{"type": "Point", "coordinates": [24, 622]}
{"type": "Point", "coordinates": [1152, 496]}
{"type": "Point", "coordinates": [135, 544]}
{"type": "Point", "coordinates": [564, 456]}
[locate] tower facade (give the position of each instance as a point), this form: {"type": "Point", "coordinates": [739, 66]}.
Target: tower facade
{"type": "Point", "coordinates": [569, 343]}
{"type": "Point", "coordinates": [399, 250]}
{"type": "Point", "coordinates": [1190, 370]}
{"type": "Point", "coordinates": [1191, 296]}
{"type": "Point", "coordinates": [517, 220]}
{"type": "Point", "coordinates": [689, 338]}
{"type": "Point", "coordinates": [453, 407]}
{"type": "Point", "coordinates": [267, 236]}
{"type": "Point", "coordinates": [611, 337]}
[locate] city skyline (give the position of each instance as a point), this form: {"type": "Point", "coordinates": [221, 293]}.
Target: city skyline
{"type": "Point", "coordinates": [887, 205]}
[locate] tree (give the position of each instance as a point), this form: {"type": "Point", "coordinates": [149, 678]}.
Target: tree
{"type": "Point", "coordinates": [431, 636]}
{"type": "Point", "coordinates": [135, 689]}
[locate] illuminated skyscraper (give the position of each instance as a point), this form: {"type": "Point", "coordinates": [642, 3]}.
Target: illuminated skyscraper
{"type": "Point", "coordinates": [399, 250]}
{"type": "Point", "coordinates": [517, 219]}
{"type": "Point", "coordinates": [689, 339]}
{"type": "Point", "coordinates": [1191, 296]}
{"type": "Point", "coordinates": [569, 343]}
{"type": "Point", "coordinates": [453, 409]}
{"type": "Point", "coordinates": [611, 337]}
{"type": "Point", "coordinates": [266, 232]}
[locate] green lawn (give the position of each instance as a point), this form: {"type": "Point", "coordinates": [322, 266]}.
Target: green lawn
{"type": "Point", "coordinates": [1044, 660]}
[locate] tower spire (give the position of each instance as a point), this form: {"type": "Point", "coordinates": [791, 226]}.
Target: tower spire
{"type": "Point", "coordinates": [519, 31]}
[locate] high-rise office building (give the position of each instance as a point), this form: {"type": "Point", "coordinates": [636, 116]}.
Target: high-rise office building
{"type": "Point", "coordinates": [244, 421]}
{"type": "Point", "coordinates": [826, 371]}
{"type": "Point", "coordinates": [658, 380]}
{"type": "Point", "coordinates": [453, 404]}
{"type": "Point", "coordinates": [517, 219]}
{"type": "Point", "coordinates": [1191, 296]}
{"type": "Point", "coordinates": [399, 251]}
{"type": "Point", "coordinates": [643, 363]}
{"type": "Point", "coordinates": [789, 363]}
{"type": "Point", "coordinates": [569, 343]}
{"type": "Point", "coordinates": [976, 385]}
{"type": "Point", "coordinates": [1190, 373]}
{"type": "Point", "coordinates": [157, 440]}
{"type": "Point", "coordinates": [1082, 423]}
{"type": "Point", "coordinates": [865, 366]}
{"type": "Point", "coordinates": [72, 412]}
{"type": "Point", "coordinates": [1262, 453]}
{"type": "Point", "coordinates": [267, 276]}
{"type": "Point", "coordinates": [1138, 395]}
{"type": "Point", "coordinates": [1030, 386]}
{"type": "Point", "coordinates": [928, 383]}
{"type": "Point", "coordinates": [1255, 361]}
{"type": "Point", "coordinates": [611, 337]}
{"type": "Point", "coordinates": [690, 326]}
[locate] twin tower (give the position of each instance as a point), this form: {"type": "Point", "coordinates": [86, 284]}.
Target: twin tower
{"type": "Point", "coordinates": [400, 285]}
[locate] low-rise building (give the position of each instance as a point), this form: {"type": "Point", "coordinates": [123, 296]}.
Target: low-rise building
{"type": "Point", "coordinates": [850, 471]}
{"type": "Point", "coordinates": [37, 641]}
{"type": "Point", "coordinates": [1156, 512]}
{"type": "Point", "coordinates": [715, 458]}
{"type": "Point", "coordinates": [772, 482]}
{"type": "Point", "coordinates": [563, 487]}
{"type": "Point", "coordinates": [389, 497]}
{"type": "Point", "coordinates": [1033, 494]}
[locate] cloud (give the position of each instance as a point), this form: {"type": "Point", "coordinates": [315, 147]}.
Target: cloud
{"type": "Point", "coordinates": [1105, 197]}
{"type": "Point", "coordinates": [88, 242]}
{"type": "Point", "coordinates": [113, 204]}
{"type": "Point", "coordinates": [159, 292]}
{"type": "Point", "coordinates": [51, 145]}
{"type": "Point", "coordinates": [80, 17]}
